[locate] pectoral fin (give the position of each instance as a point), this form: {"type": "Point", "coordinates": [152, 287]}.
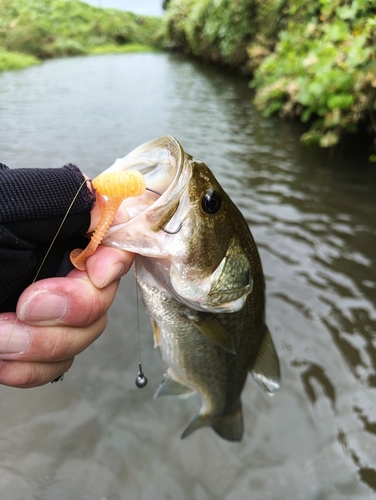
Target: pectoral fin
{"type": "Point", "coordinates": [211, 327]}
{"type": "Point", "coordinates": [228, 426]}
{"type": "Point", "coordinates": [171, 386]}
{"type": "Point", "coordinates": [265, 369]}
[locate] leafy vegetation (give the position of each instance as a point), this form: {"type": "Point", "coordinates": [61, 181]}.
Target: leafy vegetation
{"type": "Point", "coordinates": [52, 28]}
{"type": "Point", "coordinates": [323, 68]}
{"type": "Point", "coordinates": [11, 60]}
{"type": "Point", "coordinates": [216, 30]}
{"type": "Point", "coordinates": [112, 48]}
{"type": "Point", "coordinates": [313, 60]}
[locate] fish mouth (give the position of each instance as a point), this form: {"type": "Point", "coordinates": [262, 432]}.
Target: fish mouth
{"type": "Point", "coordinates": [161, 162]}
{"type": "Point", "coordinates": [167, 174]}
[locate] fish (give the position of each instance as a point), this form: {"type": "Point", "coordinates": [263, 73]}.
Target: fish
{"type": "Point", "coordinates": [201, 280]}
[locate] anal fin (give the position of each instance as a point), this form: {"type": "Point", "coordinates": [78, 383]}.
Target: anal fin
{"type": "Point", "coordinates": [171, 386]}
{"type": "Point", "coordinates": [265, 370]}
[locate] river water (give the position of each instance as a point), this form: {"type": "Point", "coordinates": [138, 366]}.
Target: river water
{"type": "Point", "coordinates": [313, 215]}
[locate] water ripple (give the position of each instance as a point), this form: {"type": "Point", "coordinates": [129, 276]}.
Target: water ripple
{"type": "Point", "coordinates": [313, 217]}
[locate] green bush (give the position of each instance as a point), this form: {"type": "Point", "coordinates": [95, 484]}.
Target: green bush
{"type": "Point", "coordinates": [11, 60]}
{"type": "Point", "coordinates": [216, 30]}
{"type": "Point", "coordinates": [323, 68]}
{"type": "Point", "coordinates": [121, 49]}
{"type": "Point", "coordinates": [49, 28]}
{"type": "Point", "coordinates": [314, 60]}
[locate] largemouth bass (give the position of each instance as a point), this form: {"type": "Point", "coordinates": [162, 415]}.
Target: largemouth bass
{"type": "Point", "coordinates": [201, 280]}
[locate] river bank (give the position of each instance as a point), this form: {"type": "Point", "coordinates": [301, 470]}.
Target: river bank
{"type": "Point", "coordinates": [95, 434]}
{"type": "Point", "coordinates": [313, 61]}
{"type": "Point", "coordinates": [33, 31]}
{"type": "Point", "coordinates": [16, 60]}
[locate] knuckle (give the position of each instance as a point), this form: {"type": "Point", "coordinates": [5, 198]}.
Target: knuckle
{"type": "Point", "coordinates": [98, 306]}
{"type": "Point", "coordinates": [60, 345]}
{"type": "Point", "coordinates": [25, 375]}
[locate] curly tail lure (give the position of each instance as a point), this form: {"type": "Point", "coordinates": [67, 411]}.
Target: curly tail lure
{"type": "Point", "coordinates": [116, 186]}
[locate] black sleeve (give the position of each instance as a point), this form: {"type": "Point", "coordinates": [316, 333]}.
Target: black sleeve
{"type": "Point", "coordinates": [33, 203]}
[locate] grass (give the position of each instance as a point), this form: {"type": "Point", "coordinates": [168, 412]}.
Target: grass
{"type": "Point", "coordinates": [59, 28]}
{"type": "Point", "coordinates": [14, 60]}
{"type": "Point", "coordinates": [111, 48]}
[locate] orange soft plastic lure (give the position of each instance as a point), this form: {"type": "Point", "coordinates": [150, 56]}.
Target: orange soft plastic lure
{"type": "Point", "coordinates": [116, 186]}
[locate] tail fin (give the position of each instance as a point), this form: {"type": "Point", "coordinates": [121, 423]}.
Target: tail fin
{"type": "Point", "coordinates": [229, 426]}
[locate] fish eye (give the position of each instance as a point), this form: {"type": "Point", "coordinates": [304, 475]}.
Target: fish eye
{"type": "Point", "coordinates": [211, 202]}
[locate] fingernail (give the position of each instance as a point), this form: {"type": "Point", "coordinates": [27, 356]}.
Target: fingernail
{"type": "Point", "coordinates": [14, 338]}
{"type": "Point", "coordinates": [44, 306]}
{"type": "Point", "coordinates": [116, 271]}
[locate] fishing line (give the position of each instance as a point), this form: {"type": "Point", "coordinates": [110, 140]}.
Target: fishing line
{"type": "Point", "coordinates": [141, 380]}
{"type": "Point", "coordinates": [44, 260]}
{"type": "Point", "coordinates": [59, 229]}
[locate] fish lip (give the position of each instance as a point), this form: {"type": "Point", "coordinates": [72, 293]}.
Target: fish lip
{"type": "Point", "coordinates": [139, 159]}
{"type": "Point", "coordinates": [135, 160]}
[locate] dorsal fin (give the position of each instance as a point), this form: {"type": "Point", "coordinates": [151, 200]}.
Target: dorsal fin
{"type": "Point", "coordinates": [265, 369]}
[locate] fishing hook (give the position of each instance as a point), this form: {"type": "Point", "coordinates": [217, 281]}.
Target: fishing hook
{"type": "Point", "coordinates": [173, 232]}
{"type": "Point", "coordinates": [153, 191]}
{"type": "Point", "coordinates": [163, 229]}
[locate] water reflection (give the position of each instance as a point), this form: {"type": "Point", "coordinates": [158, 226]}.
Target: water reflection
{"type": "Point", "coordinates": [313, 218]}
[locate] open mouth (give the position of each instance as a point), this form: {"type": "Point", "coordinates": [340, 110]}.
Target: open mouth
{"type": "Point", "coordinates": [167, 174]}
{"type": "Point", "coordinates": [161, 162]}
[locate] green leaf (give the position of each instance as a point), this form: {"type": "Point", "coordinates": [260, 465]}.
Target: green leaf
{"type": "Point", "coordinates": [311, 137]}
{"type": "Point", "coordinates": [340, 101]}
{"type": "Point", "coordinates": [306, 115]}
{"type": "Point", "coordinates": [347, 12]}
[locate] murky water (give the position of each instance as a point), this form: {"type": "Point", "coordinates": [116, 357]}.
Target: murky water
{"type": "Point", "coordinates": [95, 435]}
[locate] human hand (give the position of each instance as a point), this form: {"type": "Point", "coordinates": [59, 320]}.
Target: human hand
{"type": "Point", "coordinates": [57, 318]}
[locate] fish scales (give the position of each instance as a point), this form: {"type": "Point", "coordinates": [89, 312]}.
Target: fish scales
{"type": "Point", "coordinates": [194, 358]}
{"type": "Point", "coordinates": [202, 283]}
